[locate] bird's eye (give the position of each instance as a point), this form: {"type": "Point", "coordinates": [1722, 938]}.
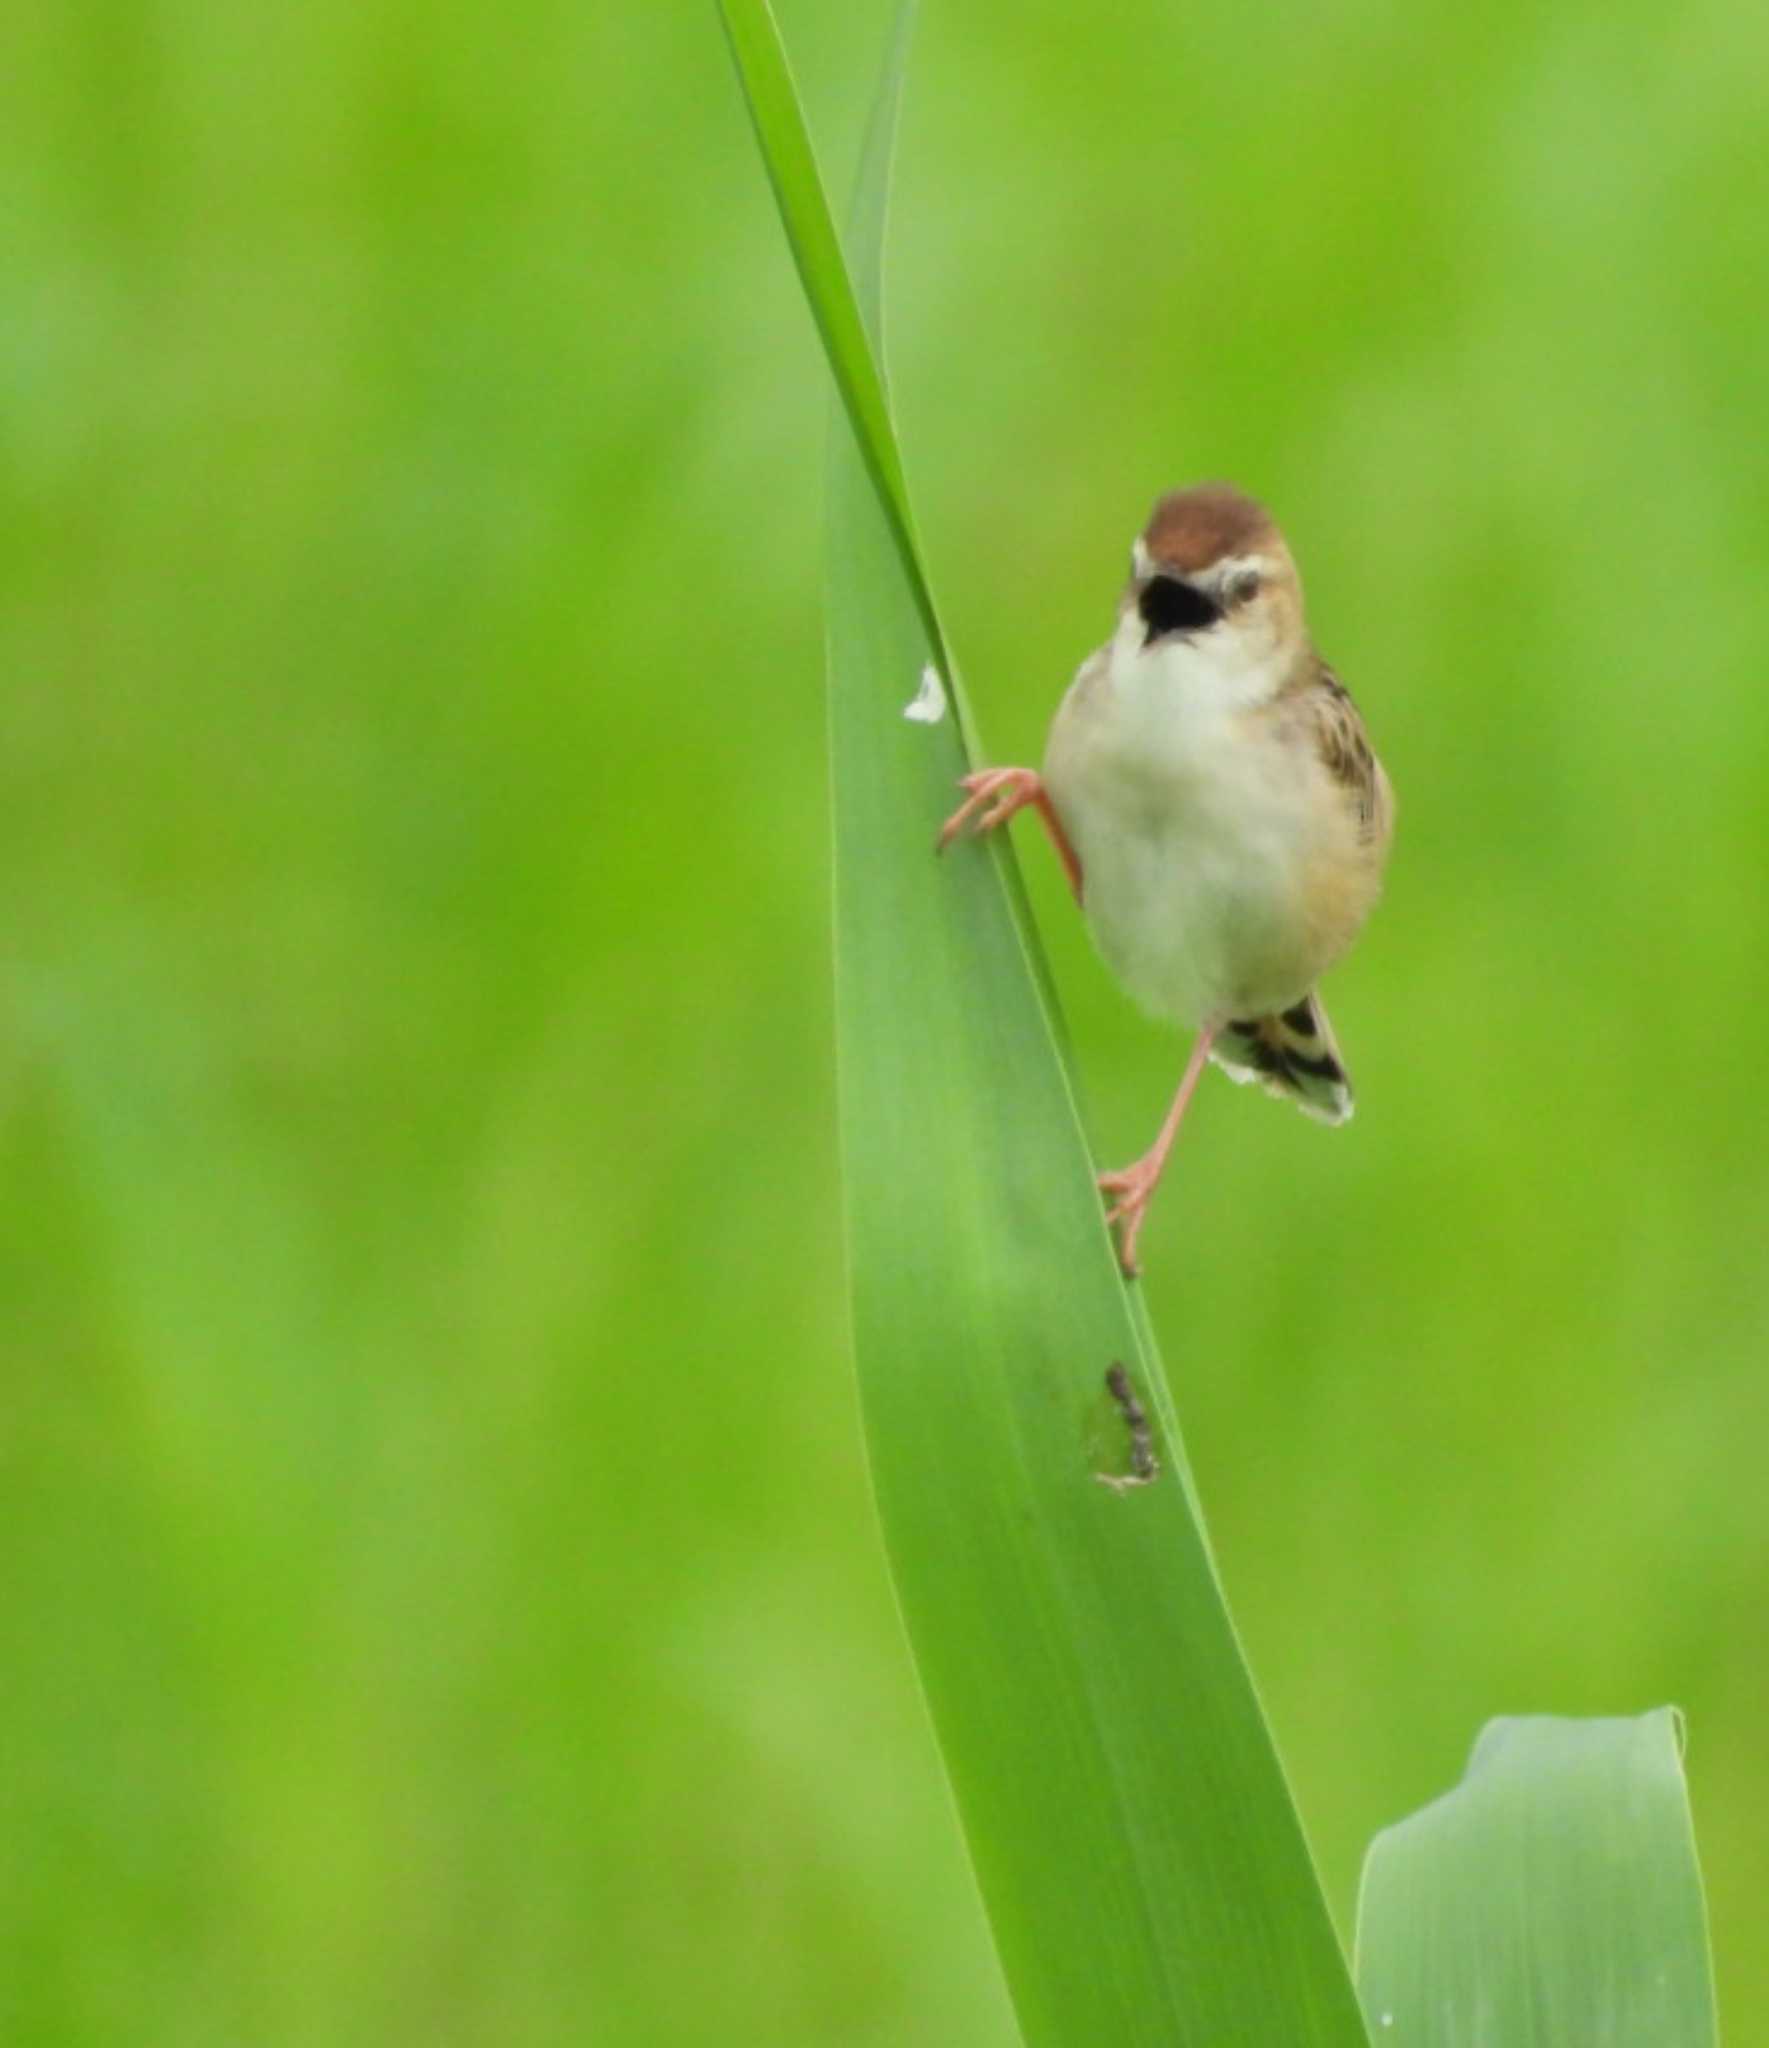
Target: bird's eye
{"type": "Point", "coordinates": [1169, 606]}
{"type": "Point", "coordinates": [1243, 584]}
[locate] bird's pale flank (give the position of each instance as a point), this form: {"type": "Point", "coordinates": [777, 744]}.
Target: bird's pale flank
{"type": "Point", "coordinates": [1214, 798]}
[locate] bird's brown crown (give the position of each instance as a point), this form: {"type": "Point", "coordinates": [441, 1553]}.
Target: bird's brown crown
{"type": "Point", "coordinates": [1188, 530]}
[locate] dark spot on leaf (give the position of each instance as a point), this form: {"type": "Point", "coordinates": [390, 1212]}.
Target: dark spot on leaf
{"type": "Point", "coordinates": [1145, 1467]}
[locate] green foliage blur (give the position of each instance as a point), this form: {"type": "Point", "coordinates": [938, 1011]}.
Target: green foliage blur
{"type": "Point", "coordinates": [441, 1601]}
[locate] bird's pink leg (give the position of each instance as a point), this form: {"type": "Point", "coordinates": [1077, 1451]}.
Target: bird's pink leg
{"type": "Point", "coordinates": [1134, 1186]}
{"type": "Point", "coordinates": [994, 795]}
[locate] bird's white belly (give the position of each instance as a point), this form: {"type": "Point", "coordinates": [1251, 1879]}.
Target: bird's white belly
{"type": "Point", "coordinates": [1194, 854]}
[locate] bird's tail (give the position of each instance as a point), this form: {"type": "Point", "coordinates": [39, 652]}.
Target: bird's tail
{"type": "Point", "coordinates": [1291, 1053]}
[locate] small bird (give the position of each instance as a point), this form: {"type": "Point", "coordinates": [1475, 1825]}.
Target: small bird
{"type": "Point", "coordinates": [1213, 797]}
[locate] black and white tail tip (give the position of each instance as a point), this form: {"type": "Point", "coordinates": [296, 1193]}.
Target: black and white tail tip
{"type": "Point", "coordinates": [1291, 1053]}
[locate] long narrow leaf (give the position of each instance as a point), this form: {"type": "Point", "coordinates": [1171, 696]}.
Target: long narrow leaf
{"type": "Point", "coordinates": [791, 165]}
{"type": "Point", "coordinates": [1551, 1899]}
{"type": "Point", "coordinates": [1138, 1853]}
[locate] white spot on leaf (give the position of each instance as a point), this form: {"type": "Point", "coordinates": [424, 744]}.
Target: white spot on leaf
{"type": "Point", "coordinates": [928, 705]}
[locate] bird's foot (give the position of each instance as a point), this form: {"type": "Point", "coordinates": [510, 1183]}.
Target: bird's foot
{"type": "Point", "coordinates": [1132, 1189]}
{"type": "Point", "coordinates": [994, 795]}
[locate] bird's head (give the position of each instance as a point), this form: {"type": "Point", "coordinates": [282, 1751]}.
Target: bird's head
{"type": "Point", "coordinates": [1211, 575]}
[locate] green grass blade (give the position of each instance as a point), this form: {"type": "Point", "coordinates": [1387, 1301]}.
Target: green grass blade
{"type": "Point", "coordinates": [791, 164]}
{"type": "Point", "coordinates": [1142, 1864]}
{"type": "Point", "coordinates": [1552, 1898]}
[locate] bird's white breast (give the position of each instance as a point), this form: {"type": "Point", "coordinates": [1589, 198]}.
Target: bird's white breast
{"type": "Point", "coordinates": [1194, 823]}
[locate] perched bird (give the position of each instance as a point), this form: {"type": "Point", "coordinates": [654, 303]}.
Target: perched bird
{"type": "Point", "coordinates": [1224, 823]}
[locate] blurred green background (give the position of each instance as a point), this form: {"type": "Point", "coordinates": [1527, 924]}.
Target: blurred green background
{"type": "Point", "coordinates": [441, 1601]}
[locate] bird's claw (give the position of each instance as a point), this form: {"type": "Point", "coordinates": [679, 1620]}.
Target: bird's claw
{"type": "Point", "coordinates": [992, 796]}
{"type": "Point", "coordinates": [1134, 1188]}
